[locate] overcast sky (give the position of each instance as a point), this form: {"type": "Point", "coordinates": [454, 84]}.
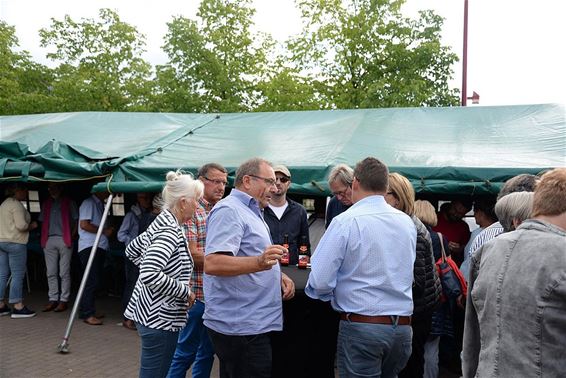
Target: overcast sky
{"type": "Point", "coordinates": [516, 48]}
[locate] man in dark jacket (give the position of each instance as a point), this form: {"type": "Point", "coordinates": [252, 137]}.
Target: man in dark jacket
{"type": "Point", "coordinates": [285, 216]}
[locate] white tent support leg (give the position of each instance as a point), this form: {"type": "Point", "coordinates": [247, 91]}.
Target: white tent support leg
{"type": "Point", "coordinates": [64, 346]}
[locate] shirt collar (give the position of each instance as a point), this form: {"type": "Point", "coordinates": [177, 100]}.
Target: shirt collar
{"type": "Point", "coordinates": [247, 200]}
{"type": "Point", "coordinates": [205, 204]}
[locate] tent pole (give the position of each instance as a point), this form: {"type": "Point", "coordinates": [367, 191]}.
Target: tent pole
{"type": "Point", "coordinates": [64, 346]}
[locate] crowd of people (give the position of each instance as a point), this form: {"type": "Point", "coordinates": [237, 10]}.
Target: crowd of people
{"type": "Point", "coordinates": [203, 274]}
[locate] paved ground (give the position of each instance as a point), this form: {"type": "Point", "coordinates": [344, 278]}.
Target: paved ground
{"type": "Point", "coordinates": [28, 347]}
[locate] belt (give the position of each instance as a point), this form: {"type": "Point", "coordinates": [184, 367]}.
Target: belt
{"type": "Point", "coordinates": [381, 319]}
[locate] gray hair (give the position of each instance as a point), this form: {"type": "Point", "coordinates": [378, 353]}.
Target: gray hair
{"type": "Point", "coordinates": [342, 173]}
{"type": "Point", "coordinates": [180, 185]}
{"type": "Point", "coordinates": [514, 206]}
{"type": "Point", "coordinates": [248, 168]}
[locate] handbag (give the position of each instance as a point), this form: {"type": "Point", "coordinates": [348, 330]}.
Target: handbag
{"type": "Point", "coordinates": [451, 278]}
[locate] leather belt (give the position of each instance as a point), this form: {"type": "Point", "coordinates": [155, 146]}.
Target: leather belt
{"type": "Point", "coordinates": [381, 319]}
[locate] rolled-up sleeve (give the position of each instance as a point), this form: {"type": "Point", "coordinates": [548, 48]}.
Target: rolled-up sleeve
{"type": "Point", "coordinates": [224, 231]}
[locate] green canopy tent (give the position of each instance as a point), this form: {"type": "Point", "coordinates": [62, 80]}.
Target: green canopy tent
{"type": "Point", "coordinates": [443, 151]}
{"type": "Point", "coordinates": [460, 150]}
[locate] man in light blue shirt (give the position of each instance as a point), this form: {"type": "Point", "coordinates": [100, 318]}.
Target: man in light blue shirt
{"type": "Point", "coordinates": [364, 266]}
{"type": "Point", "coordinates": [90, 217]}
{"type": "Point", "coordinates": [243, 283]}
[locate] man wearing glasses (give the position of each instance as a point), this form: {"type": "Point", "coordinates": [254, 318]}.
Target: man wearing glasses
{"type": "Point", "coordinates": [285, 216]}
{"type": "Point", "coordinates": [194, 345]}
{"type": "Point", "coordinates": [340, 183]}
{"type": "Point", "coordinates": [243, 282]}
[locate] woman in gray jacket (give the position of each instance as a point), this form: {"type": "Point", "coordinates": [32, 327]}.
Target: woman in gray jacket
{"type": "Point", "coordinates": [517, 294]}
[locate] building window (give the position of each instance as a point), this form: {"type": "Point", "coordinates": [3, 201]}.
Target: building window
{"type": "Point", "coordinates": [118, 205]}
{"type": "Point", "coordinates": [32, 203]}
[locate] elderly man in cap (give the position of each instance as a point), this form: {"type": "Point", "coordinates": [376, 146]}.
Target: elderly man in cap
{"type": "Point", "coordinates": [285, 216]}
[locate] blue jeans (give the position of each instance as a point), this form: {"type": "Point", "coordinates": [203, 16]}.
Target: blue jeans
{"type": "Point", "coordinates": [157, 348]}
{"type": "Point", "coordinates": [372, 350]}
{"type": "Point", "coordinates": [243, 356]}
{"type": "Point", "coordinates": [13, 258]}
{"type": "Point", "coordinates": [193, 345]}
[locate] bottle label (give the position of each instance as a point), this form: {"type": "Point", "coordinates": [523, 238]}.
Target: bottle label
{"type": "Point", "coordinates": [303, 261]}
{"type": "Point", "coordinates": [285, 258]}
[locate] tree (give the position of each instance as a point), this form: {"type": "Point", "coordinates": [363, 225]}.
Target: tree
{"type": "Point", "coordinates": [100, 64]}
{"type": "Point", "coordinates": [24, 85]}
{"type": "Point", "coordinates": [363, 53]}
{"type": "Point", "coordinates": [285, 89]}
{"type": "Point", "coordinates": [215, 63]}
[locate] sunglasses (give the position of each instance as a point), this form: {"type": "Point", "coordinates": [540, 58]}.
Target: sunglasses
{"type": "Point", "coordinates": [283, 180]}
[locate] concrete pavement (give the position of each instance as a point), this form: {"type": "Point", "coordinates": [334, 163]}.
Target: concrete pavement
{"type": "Point", "coordinates": [28, 347]}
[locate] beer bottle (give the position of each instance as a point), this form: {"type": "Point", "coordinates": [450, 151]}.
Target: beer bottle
{"type": "Point", "coordinates": [304, 253]}
{"type": "Point", "coordinates": [285, 257]}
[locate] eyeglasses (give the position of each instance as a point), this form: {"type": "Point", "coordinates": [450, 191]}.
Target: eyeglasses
{"type": "Point", "coordinates": [341, 193]}
{"type": "Point", "coordinates": [216, 182]}
{"type": "Point", "coordinates": [283, 180]}
{"type": "Point", "coordinates": [268, 181]}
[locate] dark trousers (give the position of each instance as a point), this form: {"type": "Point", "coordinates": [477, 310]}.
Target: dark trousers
{"type": "Point", "coordinates": [242, 356]}
{"type": "Point", "coordinates": [86, 307]}
{"type": "Point", "coordinates": [132, 272]}
{"type": "Point", "coordinates": [421, 329]}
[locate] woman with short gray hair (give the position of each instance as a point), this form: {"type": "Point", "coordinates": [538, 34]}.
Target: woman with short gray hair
{"type": "Point", "coordinates": [162, 294]}
{"type": "Point", "coordinates": [513, 209]}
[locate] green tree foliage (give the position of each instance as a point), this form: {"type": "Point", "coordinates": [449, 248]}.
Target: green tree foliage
{"type": "Point", "coordinates": [215, 63]}
{"type": "Point", "coordinates": [285, 89]}
{"type": "Point", "coordinates": [363, 54]}
{"type": "Point", "coordinates": [350, 54]}
{"type": "Point", "coordinates": [24, 85]}
{"type": "Point", "coordinates": [100, 64]}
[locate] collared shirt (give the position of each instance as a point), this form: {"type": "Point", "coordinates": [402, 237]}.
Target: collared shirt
{"type": "Point", "coordinates": [196, 232]}
{"type": "Point", "coordinates": [473, 236]}
{"type": "Point", "coordinates": [364, 262]}
{"type": "Point", "coordinates": [56, 219]}
{"type": "Point", "coordinates": [293, 223]}
{"type": "Point", "coordinates": [136, 221]}
{"type": "Point", "coordinates": [91, 209]}
{"type": "Point", "coordinates": [246, 304]}
{"type": "Point", "coordinates": [486, 235]}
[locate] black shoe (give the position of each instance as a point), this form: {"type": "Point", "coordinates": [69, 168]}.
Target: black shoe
{"type": "Point", "coordinates": [5, 311]}
{"type": "Point", "coordinates": [23, 313]}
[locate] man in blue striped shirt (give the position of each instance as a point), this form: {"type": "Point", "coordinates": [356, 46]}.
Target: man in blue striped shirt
{"type": "Point", "coordinates": [364, 266]}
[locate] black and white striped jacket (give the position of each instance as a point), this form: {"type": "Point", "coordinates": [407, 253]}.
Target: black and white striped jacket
{"type": "Point", "coordinates": [162, 291]}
